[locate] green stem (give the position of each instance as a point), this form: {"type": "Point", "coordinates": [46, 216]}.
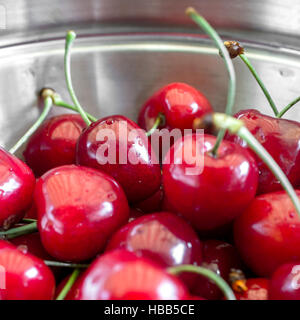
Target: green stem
{"type": "Point", "coordinates": [65, 264]}
{"type": "Point", "coordinates": [33, 128]}
{"type": "Point", "coordinates": [261, 84]}
{"type": "Point", "coordinates": [18, 231]}
{"type": "Point", "coordinates": [26, 220]}
{"type": "Point", "coordinates": [219, 281]}
{"type": "Point", "coordinates": [71, 35]}
{"type": "Point", "coordinates": [288, 107]}
{"type": "Point", "coordinates": [68, 285]}
{"type": "Point", "coordinates": [160, 120]}
{"type": "Point", "coordinates": [228, 63]}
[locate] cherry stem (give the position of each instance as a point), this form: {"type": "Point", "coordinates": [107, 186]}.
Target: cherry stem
{"type": "Point", "coordinates": [34, 127]}
{"type": "Point", "coordinates": [235, 126]}
{"type": "Point", "coordinates": [68, 285]}
{"type": "Point", "coordinates": [65, 264]}
{"type": "Point", "coordinates": [71, 35]}
{"type": "Point", "coordinates": [26, 220]}
{"type": "Point", "coordinates": [18, 231]}
{"type": "Point", "coordinates": [288, 107]}
{"type": "Point", "coordinates": [192, 13]}
{"type": "Point", "coordinates": [259, 81]}
{"type": "Point", "coordinates": [160, 120]}
{"type": "Point", "coordinates": [219, 281]}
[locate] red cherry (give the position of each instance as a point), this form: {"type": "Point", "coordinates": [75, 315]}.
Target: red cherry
{"type": "Point", "coordinates": [152, 204]}
{"type": "Point", "coordinates": [121, 275]}
{"type": "Point", "coordinates": [267, 234]}
{"type": "Point", "coordinates": [140, 177]}
{"type": "Point", "coordinates": [281, 138]}
{"type": "Point", "coordinates": [78, 209]}
{"type": "Point", "coordinates": [179, 103]}
{"type": "Point", "coordinates": [134, 213]}
{"type": "Point", "coordinates": [220, 257]}
{"type": "Point", "coordinates": [257, 289]}
{"type": "Point", "coordinates": [285, 282]}
{"type": "Point", "coordinates": [163, 237]}
{"type": "Point", "coordinates": [23, 276]}
{"type": "Point", "coordinates": [54, 143]}
{"type": "Point", "coordinates": [16, 188]}
{"type": "Point", "coordinates": [213, 197]}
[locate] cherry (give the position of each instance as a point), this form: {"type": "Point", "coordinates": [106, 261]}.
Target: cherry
{"type": "Point", "coordinates": [122, 275]}
{"type": "Point", "coordinates": [178, 102]}
{"type": "Point", "coordinates": [140, 175]}
{"type": "Point", "coordinates": [23, 276]}
{"type": "Point", "coordinates": [151, 204]}
{"type": "Point", "coordinates": [280, 137]}
{"type": "Point", "coordinates": [16, 188]}
{"type": "Point", "coordinates": [256, 289]}
{"type": "Point", "coordinates": [267, 234]}
{"type": "Point", "coordinates": [78, 209]}
{"type": "Point", "coordinates": [285, 282]}
{"type": "Point", "coordinates": [54, 143]}
{"type": "Point", "coordinates": [163, 237]}
{"type": "Point", "coordinates": [212, 197]}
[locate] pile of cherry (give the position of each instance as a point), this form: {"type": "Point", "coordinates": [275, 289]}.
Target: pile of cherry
{"type": "Point", "coordinates": [135, 231]}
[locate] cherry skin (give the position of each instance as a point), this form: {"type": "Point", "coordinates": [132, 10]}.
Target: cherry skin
{"type": "Point", "coordinates": [267, 234]}
{"type": "Point", "coordinates": [163, 237]}
{"type": "Point", "coordinates": [139, 173]}
{"type": "Point", "coordinates": [179, 103]}
{"type": "Point", "coordinates": [285, 282]}
{"type": "Point", "coordinates": [54, 143]}
{"type": "Point", "coordinates": [26, 276]}
{"type": "Point", "coordinates": [121, 275]}
{"type": "Point", "coordinates": [281, 138]}
{"type": "Point", "coordinates": [78, 209]}
{"type": "Point", "coordinates": [151, 204]}
{"type": "Point", "coordinates": [212, 197]}
{"type": "Point", "coordinates": [16, 189]}
{"type": "Point", "coordinates": [257, 289]}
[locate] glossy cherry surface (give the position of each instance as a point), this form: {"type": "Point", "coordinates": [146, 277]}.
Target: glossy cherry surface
{"type": "Point", "coordinates": [285, 282]}
{"type": "Point", "coordinates": [23, 276]}
{"type": "Point", "coordinates": [163, 237]}
{"type": "Point", "coordinates": [117, 146]}
{"type": "Point", "coordinates": [78, 209]}
{"type": "Point", "coordinates": [16, 189]}
{"type": "Point", "coordinates": [121, 274]}
{"type": "Point", "coordinates": [54, 143]}
{"type": "Point", "coordinates": [212, 192]}
{"type": "Point", "coordinates": [281, 138]}
{"type": "Point", "coordinates": [257, 289]}
{"type": "Point", "coordinates": [178, 102]}
{"type": "Point", "coordinates": [267, 234]}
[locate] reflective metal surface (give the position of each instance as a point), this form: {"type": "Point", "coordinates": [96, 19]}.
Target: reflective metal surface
{"type": "Point", "coordinates": [128, 49]}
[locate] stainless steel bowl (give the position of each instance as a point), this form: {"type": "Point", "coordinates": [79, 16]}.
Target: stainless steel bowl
{"type": "Point", "coordinates": [128, 49]}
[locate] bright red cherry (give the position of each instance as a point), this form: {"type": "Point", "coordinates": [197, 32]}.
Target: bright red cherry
{"type": "Point", "coordinates": [23, 276]}
{"type": "Point", "coordinates": [212, 197]}
{"type": "Point", "coordinates": [103, 145]}
{"type": "Point", "coordinates": [54, 143]}
{"type": "Point", "coordinates": [78, 209]}
{"type": "Point", "coordinates": [285, 282]}
{"type": "Point", "coordinates": [281, 138]}
{"type": "Point", "coordinates": [163, 237]}
{"type": "Point", "coordinates": [16, 189]}
{"type": "Point", "coordinates": [257, 289]}
{"type": "Point", "coordinates": [267, 234]}
{"type": "Point", "coordinates": [179, 103]}
{"type": "Point", "coordinates": [121, 275]}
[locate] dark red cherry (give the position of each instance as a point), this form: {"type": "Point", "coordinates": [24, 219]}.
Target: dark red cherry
{"type": "Point", "coordinates": [151, 204]}
{"type": "Point", "coordinates": [256, 289]}
{"type": "Point", "coordinates": [267, 234]}
{"type": "Point", "coordinates": [23, 276]}
{"type": "Point", "coordinates": [281, 138]}
{"type": "Point", "coordinates": [16, 189]}
{"type": "Point", "coordinates": [220, 257]}
{"type": "Point", "coordinates": [121, 275]}
{"type": "Point", "coordinates": [163, 237]}
{"type": "Point", "coordinates": [117, 146]}
{"type": "Point", "coordinates": [178, 102]}
{"type": "Point", "coordinates": [209, 191]}
{"type": "Point", "coordinates": [285, 282]}
{"type": "Point", "coordinates": [54, 143]}
{"type": "Point", "coordinates": [134, 214]}
{"type": "Point", "coordinates": [78, 209]}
